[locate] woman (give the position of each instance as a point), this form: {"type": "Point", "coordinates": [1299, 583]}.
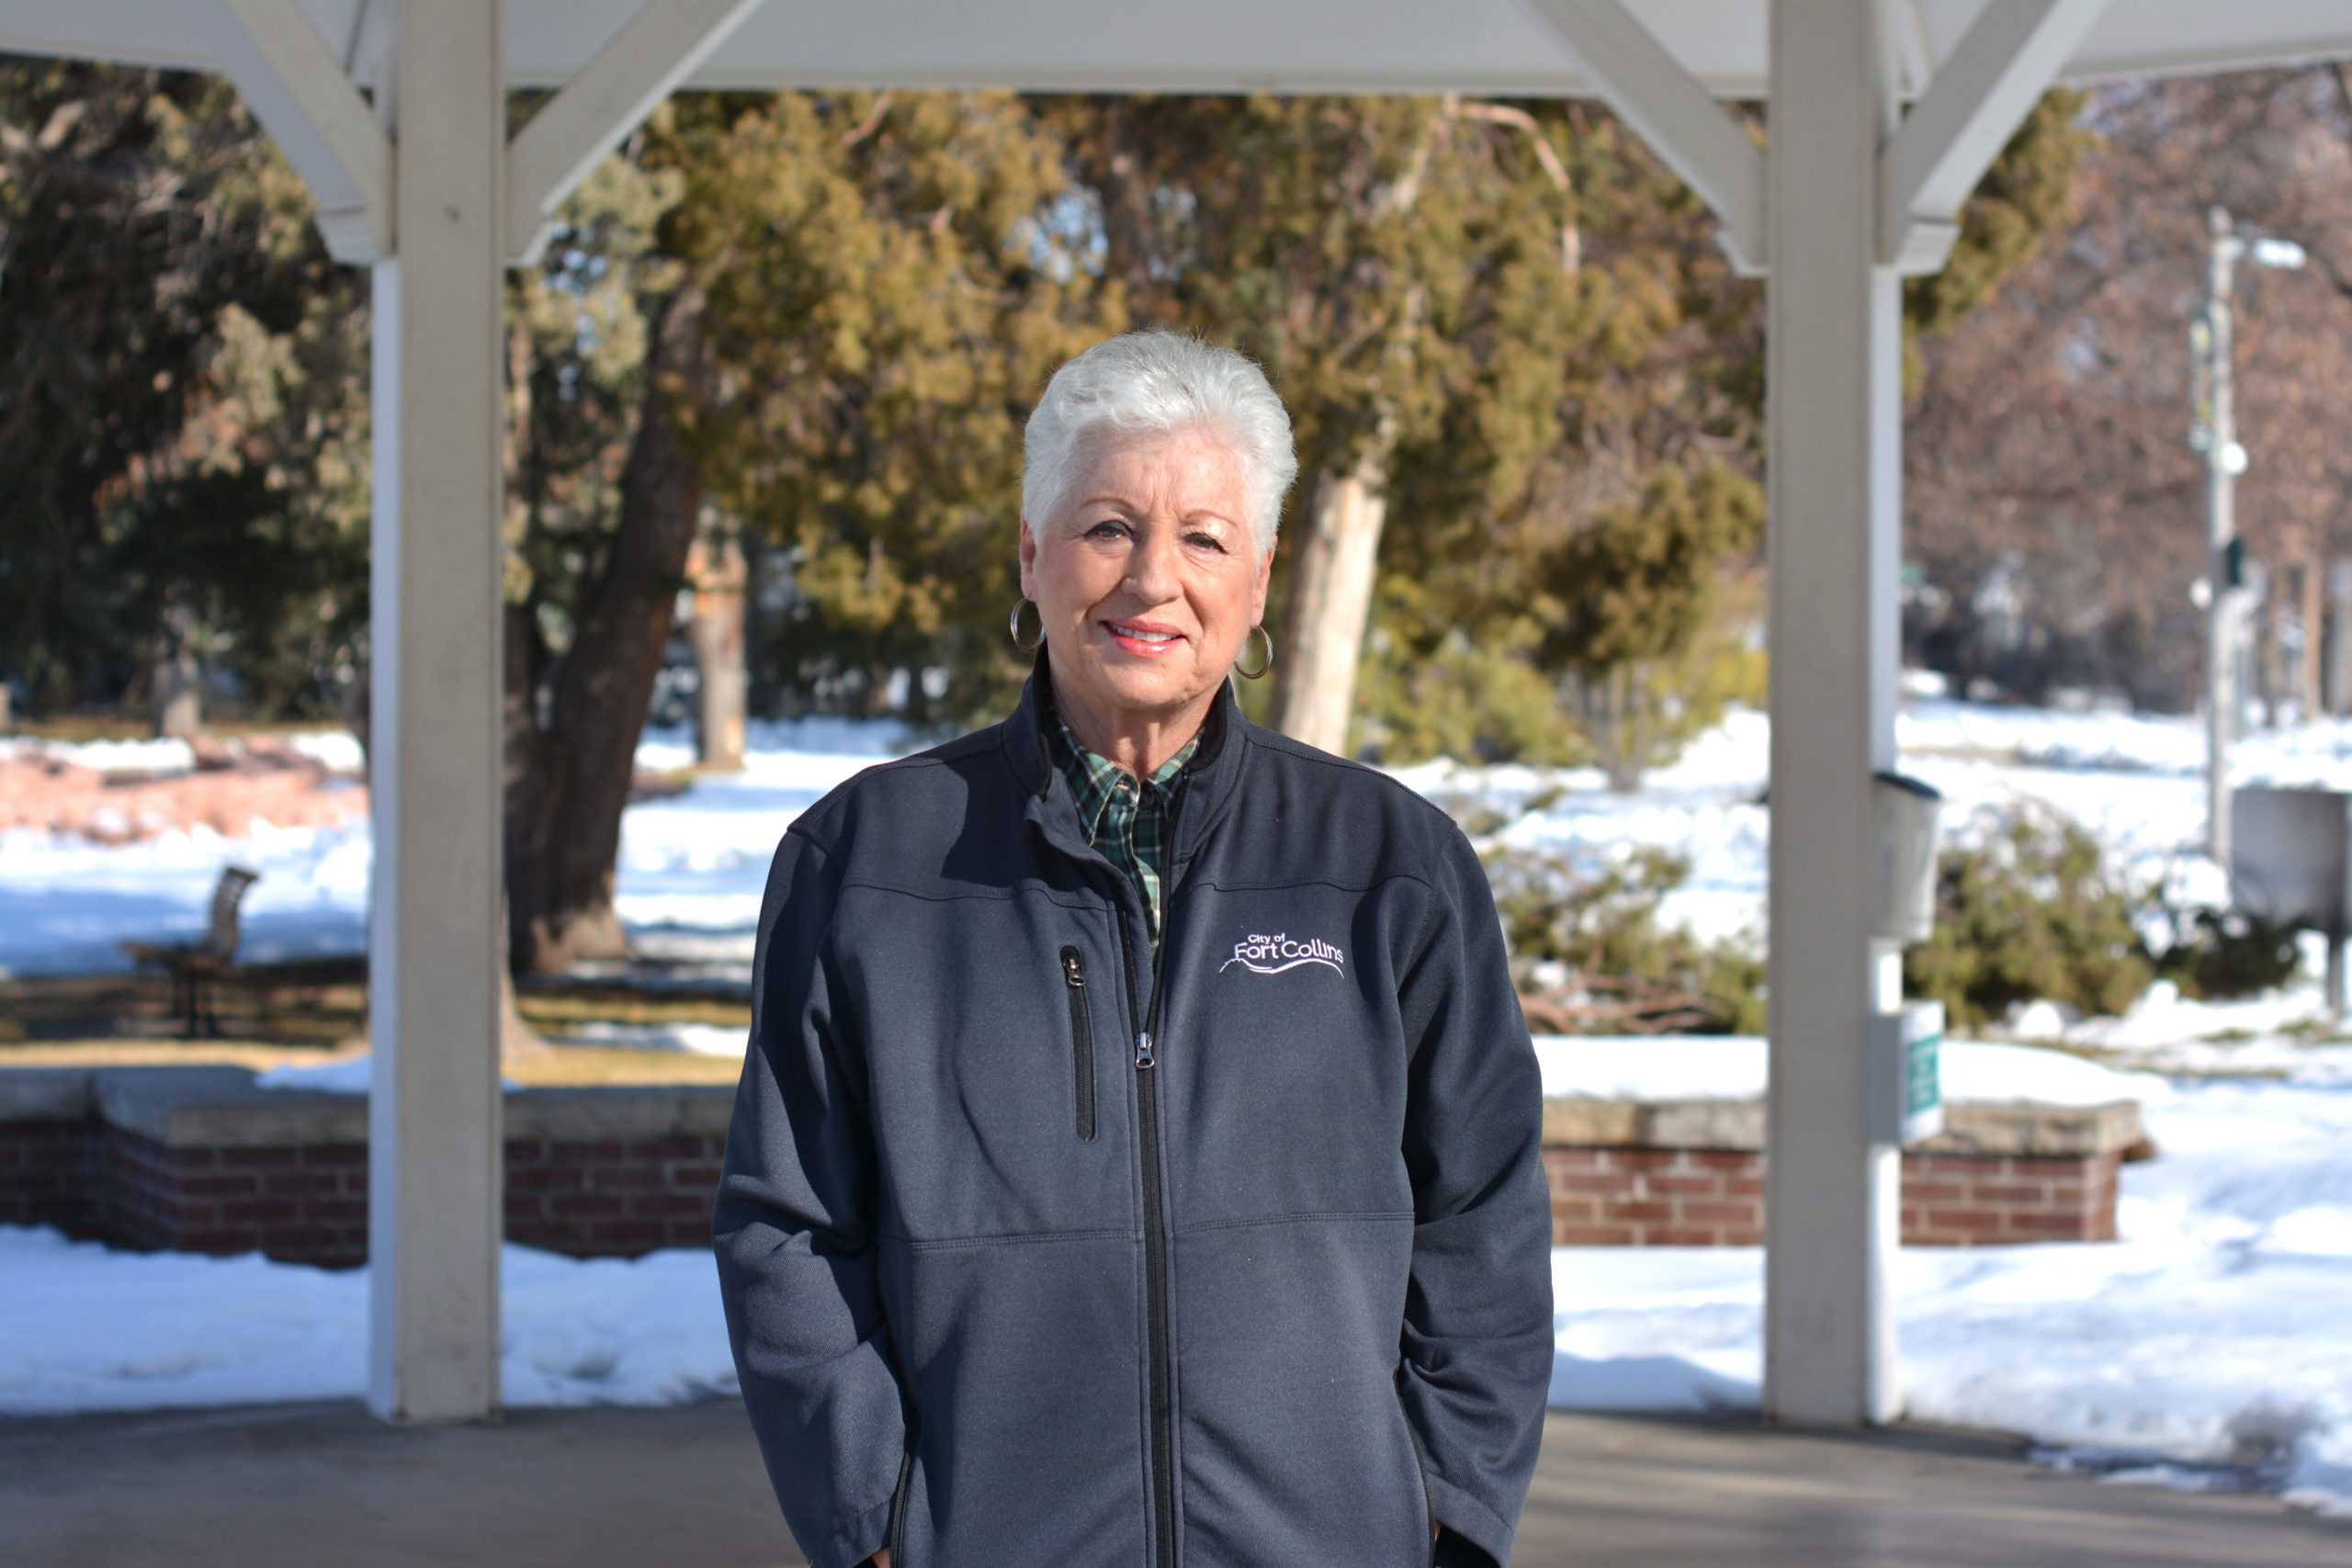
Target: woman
{"type": "Point", "coordinates": [1135, 1158]}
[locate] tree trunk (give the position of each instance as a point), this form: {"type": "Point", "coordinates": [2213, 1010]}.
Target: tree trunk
{"type": "Point", "coordinates": [1315, 684]}
{"type": "Point", "coordinates": [517, 1041]}
{"type": "Point", "coordinates": [1605, 708]}
{"type": "Point", "coordinates": [2314, 611]}
{"type": "Point", "coordinates": [176, 679]}
{"type": "Point", "coordinates": [717, 568]}
{"type": "Point", "coordinates": [2336, 677]}
{"type": "Point", "coordinates": [1314, 679]}
{"type": "Point", "coordinates": [570, 778]}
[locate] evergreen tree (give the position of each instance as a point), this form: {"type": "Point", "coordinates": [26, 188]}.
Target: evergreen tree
{"type": "Point", "coordinates": [891, 279]}
{"type": "Point", "coordinates": [178, 356]}
{"type": "Point", "coordinates": [1403, 267]}
{"type": "Point", "coordinates": [1636, 591]}
{"type": "Point", "coordinates": [1496, 615]}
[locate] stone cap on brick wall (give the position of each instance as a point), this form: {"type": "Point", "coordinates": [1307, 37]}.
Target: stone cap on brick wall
{"type": "Point", "coordinates": [45, 1094]}
{"type": "Point", "coordinates": [219, 1105]}
{"type": "Point", "coordinates": [1985, 1127]}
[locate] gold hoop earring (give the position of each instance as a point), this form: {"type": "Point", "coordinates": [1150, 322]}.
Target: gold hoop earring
{"type": "Point", "coordinates": [1265, 664]}
{"type": "Point", "coordinates": [1012, 627]}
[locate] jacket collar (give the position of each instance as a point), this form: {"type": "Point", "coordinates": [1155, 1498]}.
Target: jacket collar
{"type": "Point", "coordinates": [1209, 777]}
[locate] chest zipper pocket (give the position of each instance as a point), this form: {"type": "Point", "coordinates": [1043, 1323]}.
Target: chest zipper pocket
{"type": "Point", "coordinates": [1081, 1039]}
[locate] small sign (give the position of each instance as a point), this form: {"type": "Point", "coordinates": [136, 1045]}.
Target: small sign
{"type": "Point", "coordinates": [1904, 1074]}
{"type": "Point", "coordinates": [1923, 1090]}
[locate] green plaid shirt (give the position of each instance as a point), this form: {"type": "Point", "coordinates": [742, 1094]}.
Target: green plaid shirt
{"type": "Point", "coordinates": [1127, 821]}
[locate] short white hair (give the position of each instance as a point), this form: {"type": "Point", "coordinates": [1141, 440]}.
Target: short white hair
{"type": "Point", "coordinates": [1159, 383]}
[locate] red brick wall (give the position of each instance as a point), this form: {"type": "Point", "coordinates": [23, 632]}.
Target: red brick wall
{"type": "Point", "coordinates": [1635, 1197]}
{"type": "Point", "coordinates": [1965, 1199]}
{"type": "Point", "coordinates": [619, 1197]}
{"type": "Point", "coordinates": [623, 1197]}
{"type": "Point", "coordinates": [49, 1176]}
{"type": "Point", "coordinates": [308, 1204]}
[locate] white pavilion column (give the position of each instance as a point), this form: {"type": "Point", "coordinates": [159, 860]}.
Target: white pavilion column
{"type": "Point", "coordinates": [1833, 387]}
{"type": "Point", "coordinates": [435, 939]}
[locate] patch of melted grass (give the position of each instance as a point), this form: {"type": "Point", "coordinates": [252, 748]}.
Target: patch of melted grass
{"type": "Point", "coordinates": [560, 1066]}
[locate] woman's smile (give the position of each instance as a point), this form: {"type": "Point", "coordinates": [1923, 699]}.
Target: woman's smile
{"type": "Point", "coordinates": [1144, 639]}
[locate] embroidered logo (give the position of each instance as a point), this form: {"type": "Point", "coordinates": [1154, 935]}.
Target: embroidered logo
{"type": "Point", "coordinates": [1272, 954]}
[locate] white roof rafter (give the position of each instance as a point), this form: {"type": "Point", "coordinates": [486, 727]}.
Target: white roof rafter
{"type": "Point", "coordinates": [298, 89]}
{"type": "Point", "coordinates": [634, 70]}
{"type": "Point", "coordinates": [1483, 46]}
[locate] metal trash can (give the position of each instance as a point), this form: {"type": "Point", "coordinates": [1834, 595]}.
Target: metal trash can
{"type": "Point", "coordinates": [2291, 863]}
{"type": "Point", "coordinates": [1904, 815]}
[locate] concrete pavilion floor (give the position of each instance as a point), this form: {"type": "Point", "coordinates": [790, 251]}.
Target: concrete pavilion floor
{"type": "Point", "coordinates": [258, 1486]}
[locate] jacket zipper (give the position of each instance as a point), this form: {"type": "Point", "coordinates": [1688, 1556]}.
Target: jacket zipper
{"type": "Point", "coordinates": [898, 1506]}
{"type": "Point", "coordinates": [1081, 1039]}
{"type": "Point", "coordinates": [1163, 1416]}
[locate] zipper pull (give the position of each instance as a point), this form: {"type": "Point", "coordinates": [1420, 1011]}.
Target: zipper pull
{"type": "Point", "coordinates": [1144, 1057]}
{"type": "Point", "coordinates": [1070, 971]}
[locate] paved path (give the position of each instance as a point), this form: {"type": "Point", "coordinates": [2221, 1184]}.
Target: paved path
{"type": "Point", "coordinates": [261, 1486]}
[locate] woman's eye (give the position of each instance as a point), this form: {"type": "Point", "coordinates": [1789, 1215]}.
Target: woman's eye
{"type": "Point", "coordinates": [1110, 522]}
{"type": "Point", "coordinates": [1211, 540]}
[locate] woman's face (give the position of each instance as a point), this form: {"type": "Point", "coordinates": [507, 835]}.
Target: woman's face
{"type": "Point", "coordinates": [1150, 537]}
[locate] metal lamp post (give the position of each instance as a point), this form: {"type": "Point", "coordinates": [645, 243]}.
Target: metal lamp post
{"type": "Point", "coordinates": [2213, 432]}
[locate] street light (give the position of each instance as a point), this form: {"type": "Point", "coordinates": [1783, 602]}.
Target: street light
{"type": "Point", "coordinates": [2213, 432]}
{"type": "Point", "coordinates": [2269, 252]}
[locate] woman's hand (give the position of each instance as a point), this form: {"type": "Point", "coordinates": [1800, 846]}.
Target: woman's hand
{"type": "Point", "coordinates": [881, 1559]}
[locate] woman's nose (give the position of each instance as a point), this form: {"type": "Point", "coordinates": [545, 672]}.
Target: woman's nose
{"type": "Point", "coordinates": [1151, 567]}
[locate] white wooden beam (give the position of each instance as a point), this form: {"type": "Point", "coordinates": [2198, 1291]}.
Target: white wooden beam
{"type": "Point", "coordinates": [1832, 391]}
{"type": "Point", "coordinates": [1973, 105]}
{"type": "Point", "coordinates": [613, 94]}
{"type": "Point", "coordinates": [298, 89]}
{"type": "Point", "coordinates": [1673, 113]}
{"type": "Point", "coordinates": [1903, 39]}
{"type": "Point", "coordinates": [436, 941]}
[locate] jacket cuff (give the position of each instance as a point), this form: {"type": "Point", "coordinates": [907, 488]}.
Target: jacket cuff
{"type": "Point", "coordinates": [1470, 1535]}
{"type": "Point", "coordinates": [858, 1537]}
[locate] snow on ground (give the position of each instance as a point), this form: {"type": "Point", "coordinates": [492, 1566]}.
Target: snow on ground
{"type": "Point", "coordinates": [693, 866]}
{"type": "Point", "coordinates": [2218, 1332]}
{"type": "Point", "coordinates": [699, 1039]}
{"type": "Point", "coordinates": [64, 902]}
{"type": "Point", "coordinates": [1646, 1068]}
{"type": "Point", "coordinates": [84, 1327]}
{"type": "Point", "coordinates": [344, 1075]}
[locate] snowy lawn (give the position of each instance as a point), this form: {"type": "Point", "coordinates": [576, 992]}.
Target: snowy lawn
{"type": "Point", "coordinates": [2218, 1332]}
{"type": "Point", "coordinates": [693, 866]}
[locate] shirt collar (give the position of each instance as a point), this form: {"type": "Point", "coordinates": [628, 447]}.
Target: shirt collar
{"type": "Point", "coordinates": [1094, 779]}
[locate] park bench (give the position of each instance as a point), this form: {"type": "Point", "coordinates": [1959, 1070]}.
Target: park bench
{"type": "Point", "coordinates": [192, 964]}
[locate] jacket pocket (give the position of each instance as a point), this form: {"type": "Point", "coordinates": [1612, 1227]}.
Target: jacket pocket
{"type": "Point", "coordinates": [1081, 1039]}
